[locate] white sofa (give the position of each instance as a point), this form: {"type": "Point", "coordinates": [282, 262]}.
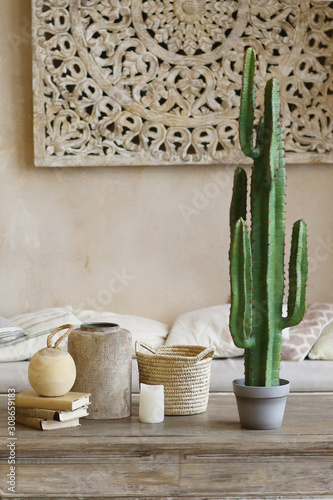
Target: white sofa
{"type": "Point", "coordinates": [305, 376]}
{"type": "Point", "coordinates": [307, 350]}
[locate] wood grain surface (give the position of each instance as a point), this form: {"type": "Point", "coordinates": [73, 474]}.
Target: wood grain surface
{"type": "Point", "coordinates": [200, 456]}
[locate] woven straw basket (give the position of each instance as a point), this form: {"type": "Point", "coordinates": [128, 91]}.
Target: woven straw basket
{"type": "Point", "coordinates": [184, 370]}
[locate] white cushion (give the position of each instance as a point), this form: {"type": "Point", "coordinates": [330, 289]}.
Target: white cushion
{"type": "Point", "coordinates": [38, 326]}
{"type": "Point", "coordinates": [142, 329]}
{"type": "Point", "coordinates": [209, 326]}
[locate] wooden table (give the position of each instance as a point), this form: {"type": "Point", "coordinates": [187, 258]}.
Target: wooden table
{"type": "Point", "coordinates": [205, 456]}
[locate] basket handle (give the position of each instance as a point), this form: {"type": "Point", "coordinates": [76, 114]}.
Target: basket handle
{"type": "Point", "coordinates": [198, 357]}
{"type": "Point", "coordinates": [146, 346]}
{"type": "Point", "coordinates": [202, 354]}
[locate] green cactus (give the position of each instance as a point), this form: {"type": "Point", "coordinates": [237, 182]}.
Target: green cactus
{"type": "Point", "coordinates": [257, 258]}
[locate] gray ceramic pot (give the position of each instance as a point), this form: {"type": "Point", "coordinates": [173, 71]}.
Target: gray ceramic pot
{"type": "Point", "coordinates": [261, 407]}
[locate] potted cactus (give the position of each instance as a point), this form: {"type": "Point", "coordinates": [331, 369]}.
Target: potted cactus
{"type": "Point", "coordinates": [257, 260]}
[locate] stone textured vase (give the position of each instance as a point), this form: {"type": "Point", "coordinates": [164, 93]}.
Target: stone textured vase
{"type": "Point", "coordinates": [102, 353]}
{"type": "Point", "coordinates": [261, 407]}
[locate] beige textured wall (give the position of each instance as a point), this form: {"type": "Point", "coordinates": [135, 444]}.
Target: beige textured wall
{"type": "Point", "coordinates": [146, 241]}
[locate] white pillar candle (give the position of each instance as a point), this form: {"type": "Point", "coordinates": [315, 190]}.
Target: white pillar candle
{"type": "Point", "coordinates": [151, 406]}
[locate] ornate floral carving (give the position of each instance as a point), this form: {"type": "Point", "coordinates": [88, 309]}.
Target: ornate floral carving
{"type": "Point", "coordinates": [120, 82]}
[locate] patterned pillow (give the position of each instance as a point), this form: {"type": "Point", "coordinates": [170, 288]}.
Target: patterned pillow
{"type": "Point", "coordinates": [303, 336]}
{"type": "Point", "coordinates": [323, 348]}
{"type": "Point", "coordinates": [37, 326]}
{"type": "Point", "coordinates": [9, 332]}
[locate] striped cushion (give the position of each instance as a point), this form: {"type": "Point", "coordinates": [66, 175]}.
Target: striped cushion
{"type": "Point", "coordinates": [9, 332]}
{"type": "Point", "coordinates": [36, 327]}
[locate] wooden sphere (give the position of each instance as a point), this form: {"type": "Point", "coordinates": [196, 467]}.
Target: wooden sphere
{"type": "Point", "coordinates": [52, 372]}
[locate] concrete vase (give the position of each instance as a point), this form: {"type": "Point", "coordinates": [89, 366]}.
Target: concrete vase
{"type": "Point", "coordinates": [102, 353]}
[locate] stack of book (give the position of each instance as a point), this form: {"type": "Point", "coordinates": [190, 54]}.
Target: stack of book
{"type": "Point", "coordinates": [48, 413]}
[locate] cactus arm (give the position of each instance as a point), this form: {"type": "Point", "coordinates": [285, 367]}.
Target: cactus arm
{"type": "Point", "coordinates": [272, 133]}
{"type": "Point", "coordinates": [238, 201]}
{"type": "Point", "coordinates": [298, 273]}
{"type": "Point", "coordinates": [241, 287]}
{"type": "Point", "coordinates": [276, 137]}
{"type": "Point", "coordinates": [276, 180]}
{"type": "Point", "coordinates": [247, 106]}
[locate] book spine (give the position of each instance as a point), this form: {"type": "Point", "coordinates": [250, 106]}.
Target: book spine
{"type": "Point", "coordinates": [29, 421]}
{"type": "Point", "coordinates": [37, 412]}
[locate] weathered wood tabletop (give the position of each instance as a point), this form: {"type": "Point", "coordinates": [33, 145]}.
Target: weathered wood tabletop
{"type": "Point", "coordinates": [201, 456]}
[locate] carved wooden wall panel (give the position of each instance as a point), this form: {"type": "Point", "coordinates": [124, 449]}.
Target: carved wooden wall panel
{"type": "Point", "coordinates": [139, 82]}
